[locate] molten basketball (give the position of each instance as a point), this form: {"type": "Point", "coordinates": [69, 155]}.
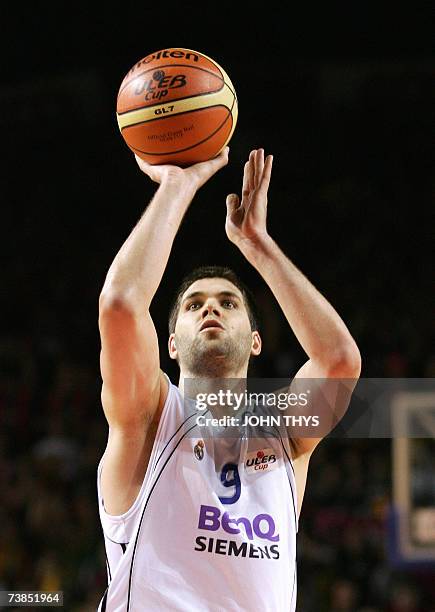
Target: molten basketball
{"type": "Point", "coordinates": [176, 106]}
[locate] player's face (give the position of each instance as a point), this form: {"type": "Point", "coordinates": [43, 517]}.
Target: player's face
{"type": "Point", "coordinates": [213, 333]}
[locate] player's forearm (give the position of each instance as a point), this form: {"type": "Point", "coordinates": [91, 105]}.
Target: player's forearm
{"type": "Point", "coordinates": [319, 329]}
{"type": "Point", "coordinates": [138, 267]}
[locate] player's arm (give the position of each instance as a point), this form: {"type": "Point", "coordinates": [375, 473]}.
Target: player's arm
{"type": "Point", "coordinates": [134, 389]}
{"type": "Point", "coordinates": [332, 352]}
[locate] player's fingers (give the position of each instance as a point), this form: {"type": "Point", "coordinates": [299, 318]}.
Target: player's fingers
{"type": "Point", "coordinates": [206, 169]}
{"type": "Point", "coordinates": [259, 166]}
{"type": "Point", "coordinates": [267, 173]}
{"type": "Point", "coordinates": [251, 170]}
{"type": "Point", "coordinates": [245, 187]}
{"type": "Point", "coordinates": [220, 160]}
{"type": "Point", "coordinates": [143, 165]}
{"type": "Point", "coordinates": [233, 202]}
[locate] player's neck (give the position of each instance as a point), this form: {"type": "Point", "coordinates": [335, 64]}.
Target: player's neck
{"type": "Point", "coordinates": [221, 396]}
{"type": "Point", "coordinates": [191, 384]}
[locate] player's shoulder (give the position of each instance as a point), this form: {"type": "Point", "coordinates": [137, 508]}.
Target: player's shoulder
{"type": "Point", "coordinates": [165, 389]}
{"type": "Point", "coordinates": [170, 398]}
{"type": "Point", "coordinates": [165, 384]}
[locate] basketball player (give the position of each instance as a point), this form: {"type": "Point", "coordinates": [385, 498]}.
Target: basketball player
{"type": "Point", "coordinates": [188, 522]}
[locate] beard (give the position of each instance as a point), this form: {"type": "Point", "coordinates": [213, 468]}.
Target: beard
{"type": "Point", "coordinates": [214, 357]}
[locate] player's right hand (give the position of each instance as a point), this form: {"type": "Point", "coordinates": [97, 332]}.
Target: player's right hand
{"type": "Point", "coordinates": [193, 176]}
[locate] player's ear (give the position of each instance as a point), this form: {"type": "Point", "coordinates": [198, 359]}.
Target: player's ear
{"type": "Point", "coordinates": [172, 347]}
{"type": "Point", "coordinates": [256, 343]}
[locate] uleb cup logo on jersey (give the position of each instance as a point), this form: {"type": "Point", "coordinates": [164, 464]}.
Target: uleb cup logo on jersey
{"type": "Point", "coordinates": [260, 460]}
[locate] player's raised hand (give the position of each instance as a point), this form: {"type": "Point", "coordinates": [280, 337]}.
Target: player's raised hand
{"type": "Point", "coordinates": [246, 217]}
{"type": "Point", "coordinates": [193, 176]}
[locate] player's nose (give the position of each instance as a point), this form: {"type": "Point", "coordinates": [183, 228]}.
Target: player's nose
{"type": "Point", "coordinates": [210, 308]}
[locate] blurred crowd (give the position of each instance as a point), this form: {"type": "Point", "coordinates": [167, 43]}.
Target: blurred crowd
{"type": "Point", "coordinates": [352, 230]}
{"type": "Point", "coordinates": [53, 433]}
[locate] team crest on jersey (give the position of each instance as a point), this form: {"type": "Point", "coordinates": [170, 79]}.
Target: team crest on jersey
{"type": "Point", "coordinates": [261, 460]}
{"type": "Point", "coordinates": [198, 450]}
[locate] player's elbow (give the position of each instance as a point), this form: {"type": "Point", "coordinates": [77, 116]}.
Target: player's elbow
{"type": "Point", "coordinates": [346, 361]}
{"type": "Point", "coordinates": [111, 301]}
{"type": "Point", "coordinates": [116, 314]}
{"type": "Point", "coordinates": [115, 301]}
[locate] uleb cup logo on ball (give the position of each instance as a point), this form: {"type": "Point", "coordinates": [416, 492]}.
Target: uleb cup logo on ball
{"type": "Point", "coordinates": [158, 87]}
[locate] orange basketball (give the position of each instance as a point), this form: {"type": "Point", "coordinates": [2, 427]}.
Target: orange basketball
{"type": "Point", "coordinates": [176, 106]}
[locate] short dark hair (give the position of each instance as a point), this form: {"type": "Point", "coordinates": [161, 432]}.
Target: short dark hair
{"type": "Point", "coordinates": [213, 272]}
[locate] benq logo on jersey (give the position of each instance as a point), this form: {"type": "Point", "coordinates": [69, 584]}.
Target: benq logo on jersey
{"type": "Point", "coordinates": [262, 526]}
{"type": "Point", "coordinates": [260, 460]}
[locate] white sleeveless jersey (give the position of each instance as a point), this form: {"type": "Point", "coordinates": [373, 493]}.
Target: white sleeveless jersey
{"type": "Point", "coordinates": [212, 529]}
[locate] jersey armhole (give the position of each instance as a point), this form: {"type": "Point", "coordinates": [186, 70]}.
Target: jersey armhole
{"type": "Point", "coordinates": [289, 447]}
{"type": "Point", "coordinates": [111, 522]}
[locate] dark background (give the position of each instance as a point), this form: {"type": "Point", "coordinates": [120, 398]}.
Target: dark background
{"type": "Point", "coordinates": [343, 97]}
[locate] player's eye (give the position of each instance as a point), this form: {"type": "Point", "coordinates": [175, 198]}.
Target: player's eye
{"type": "Point", "coordinates": [228, 304]}
{"type": "Point", "coordinates": [193, 306]}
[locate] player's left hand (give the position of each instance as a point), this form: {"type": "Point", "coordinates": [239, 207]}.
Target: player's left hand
{"type": "Point", "coordinates": [246, 218]}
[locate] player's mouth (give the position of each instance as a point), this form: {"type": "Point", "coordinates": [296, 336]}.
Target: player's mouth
{"type": "Point", "coordinates": [210, 324]}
